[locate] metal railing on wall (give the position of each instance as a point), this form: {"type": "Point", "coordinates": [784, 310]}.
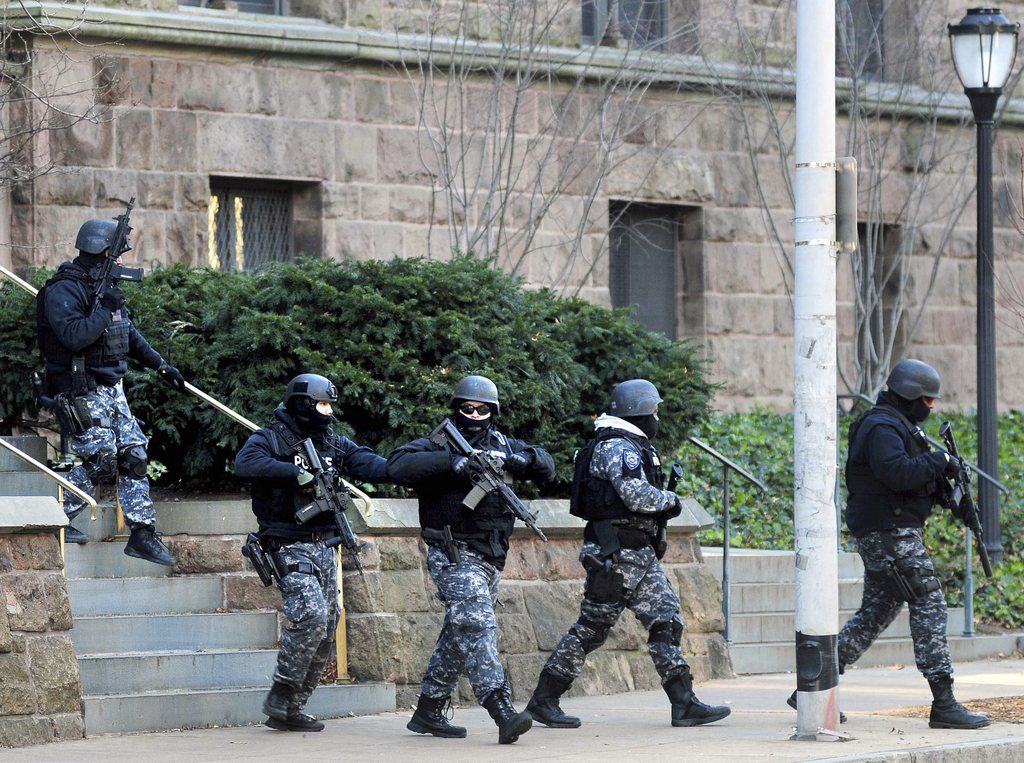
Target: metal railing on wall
{"type": "Point", "coordinates": [728, 466]}
{"type": "Point", "coordinates": [968, 538]}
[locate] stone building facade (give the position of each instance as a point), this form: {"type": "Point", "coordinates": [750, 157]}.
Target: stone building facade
{"type": "Point", "coordinates": [303, 130]}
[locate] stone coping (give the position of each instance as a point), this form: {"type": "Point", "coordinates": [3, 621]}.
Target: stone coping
{"type": "Point", "coordinates": [206, 28]}
{"type": "Point", "coordinates": [389, 516]}
{"type": "Point", "coordinates": [30, 514]}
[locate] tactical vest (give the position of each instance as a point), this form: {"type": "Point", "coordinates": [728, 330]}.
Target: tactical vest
{"type": "Point", "coordinates": [593, 498]}
{"type": "Point", "coordinates": [109, 350]}
{"type": "Point", "coordinates": [871, 505]}
{"type": "Point", "coordinates": [275, 504]}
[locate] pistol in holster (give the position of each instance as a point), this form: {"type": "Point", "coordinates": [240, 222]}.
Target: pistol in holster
{"type": "Point", "coordinates": [451, 548]}
{"type": "Point", "coordinates": [909, 585]}
{"type": "Point", "coordinates": [605, 582]}
{"type": "Point", "coordinates": [264, 562]}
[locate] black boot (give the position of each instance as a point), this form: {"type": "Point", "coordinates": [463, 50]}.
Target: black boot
{"type": "Point", "coordinates": [430, 718]}
{"type": "Point", "coordinates": [296, 721]}
{"type": "Point", "coordinates": [278, 701]}
{"type": "Point", "coordinates": [687, 710]}
{"type": "Point", "coordinates": [510, 723]}
{"type": "Point", "coordinates": [143, 544]}
{"type": "Point", "coordinates": [947, 713]}
{"type": "Point", "coordinates": [73, 535]}
{"type": "Point", "coordinates": [543, 704]}
{"type": "Point", "coordinates": [792, 703]}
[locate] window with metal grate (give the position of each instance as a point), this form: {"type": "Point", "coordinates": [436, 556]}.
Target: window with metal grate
{"type": "Point", "coordinates": [274, 7]}
{"type": "Point", "coordinates": [642, 23]}
{"type": "Point", "coordinates": [250, 225]}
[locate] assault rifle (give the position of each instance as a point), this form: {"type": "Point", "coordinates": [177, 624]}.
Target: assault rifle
{"type": "Point", "coordinates": [328, 499]}
{"type": "Point", "coordinates": [661, 541]}
{"type": "Point", "coordinates": [486, 473]}
{"type": "Point", "coordinates": [960, 500]}
{"type": "Point", "coordinates": [110, 271]}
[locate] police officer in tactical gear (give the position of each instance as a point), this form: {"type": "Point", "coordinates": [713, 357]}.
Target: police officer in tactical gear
{"type": "Point", "coordinates": [618, 488]}
{"type": "Point", "coordinates": [86, 348]}
{"type": "Point", "coordinates": [893, 480]}
{"type": "Point", "coordinates": [306, 564]}
{"type": "Point", "coordinates": [465, 556]}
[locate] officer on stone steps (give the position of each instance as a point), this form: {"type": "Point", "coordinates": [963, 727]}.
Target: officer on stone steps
{"type": "Point", "coordinates": [893, 482]}
{"type": "Point", "coordinates": [618, 488]}
{"type": "Point", "coordinates": [106, 437]}
{"type": "Point", "coordinates": [308, 569]}
{"type": "Point", "coordinates": [465, 556]}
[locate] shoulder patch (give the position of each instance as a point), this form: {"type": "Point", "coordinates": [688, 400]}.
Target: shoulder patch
{"type": "Point", "coordinates": [630, 459]}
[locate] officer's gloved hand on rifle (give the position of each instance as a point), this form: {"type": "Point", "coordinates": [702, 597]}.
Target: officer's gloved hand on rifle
{"type": "Point", "coordinates": [460, 466]}
{"type": "Point", "coordinates": [112, 298]}
{"type": "Point", "coordinates": [519, 462]}
{"type": "Point", "coordinates": [171, 375]}
{"type": "Point", "coordinates": [304, 478]}
{"type": "Point", "coordinates": [953, 466]}
{"type": "Point", "coordinates": [675, 510]}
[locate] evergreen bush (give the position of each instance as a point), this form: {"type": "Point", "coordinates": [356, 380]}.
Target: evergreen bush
{"type": "Point", "coordinates": [394, 337]}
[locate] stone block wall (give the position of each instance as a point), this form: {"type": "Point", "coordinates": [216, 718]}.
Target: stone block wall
{"type": "Point", "coordinates": [40, 687]}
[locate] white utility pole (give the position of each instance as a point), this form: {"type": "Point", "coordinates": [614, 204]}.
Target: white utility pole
{"type": "Point", "coordinates": [814, 371]}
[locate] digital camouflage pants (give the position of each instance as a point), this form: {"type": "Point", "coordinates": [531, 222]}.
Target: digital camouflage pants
{"type": "Point", "coordinates": [101, 449]}
{"type": "Point", "coordinates": [646, 591]}
{"type": "Point", "coordinates": [880, 605]}
{"type": "Point", "coordinates": [311, 604]}
{"type": "Point", "coordinates": [469, 637]}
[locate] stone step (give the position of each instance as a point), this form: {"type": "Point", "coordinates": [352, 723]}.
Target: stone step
{"type": "Point", "coordinates": [30, 444]}
{"type": "Point", "coordinates": [224, 517]}
{"type": "Point", "coordinates": [134, 596]}
{"type": "Point", "coordinates": [765, 566]}
{"type": "Point", "coordinates": [750, 598]}
{"type": "Point", "coordinates": [107, 674]}
{"type": "Point", "coordinates": [27, 483]}
{"type": "Point", "coordinates": [778, 626]}
{"type": "Point", "coordinates": [155, 711]}
{"type": "Point", "coordinates": [105, 634]}
{"type": "Point", "coordinates": [779, 657]}
{"type": "Point", "coordinates": [106, 560]}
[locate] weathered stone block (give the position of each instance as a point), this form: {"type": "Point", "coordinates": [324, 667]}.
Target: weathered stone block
{"type": "Point", "coordinates": [134, 129]}
{"type": "Point", "coordinates": [174, 141]}
{"type": "Point", "coordinates": [194, 192]}
{"type": "Point", "coordinates": [682, 550]}
{"type": "Point", "coordinates": [402, 159]}
{"type": "Point", "coordinates": [206, 555]}
{"type": "Point", "coordinates": [6, 644]}
{"type": "Point", "coordinates": [372, 99]}
{"type": "Point", "coordinates": [156, 190]}
{"type": "Point", "coordinates": [401, 553]}
{"type": "Point", "coordinates": [516, 634]}
{"type": "Point", "coordinates": [643, 673]}
{"type": "Point", "coordinates": [560, 560]}
{"type": "Point", "coordinates": [522, 671]}
{"type": "Point", "coordinates": [341, 200]}
{"type": "Point", "coordinates": [363, 593]}
{"type": "Point", "coordinates": [84, 143]}
{"type": "Point", "coordinates": [355, 153]}
{"type": "Point", "coordinates": [553, 608]}
{"type": "Point", "coordinates": [406, 696]}
{"type": "Point", "coordinates": [373, 203]}
{"type": "Point", "coordinates": [700, 596]}
{"type": "Point", "coordinates": [510, 596]}
{"type": "Point", "coordinates": [227, 88]}
{"type": "Point", "coordinates": [66, 188]}
{"type": "Point", "coordinates": [521, 563]}
{"type": "Point", "coordinates": [404, 591]}
{"type": "Point", "coordinates": [605, 673]}
{"type": "Point", "coordinates": [627, 633]}
{"type": "Point", "coordinates": [374, 642]}
{"type": "Point", "coordinates": [25, 731]}
{"type": "Point", "coordinates": [410, 204]}
{"type": "Point", "coordinates": [113, 84]}
{"type": "Point", "coordinates": [68, 726]}
{"type": "Point", "coordinates": [419, 635]}
{"type": "Point", "coordinates": [26, 601]}
{"type": "Point", "coordinates": [115, 187]}
{"type": "Point", "coordinates": [45, 552]}
{"type": "Point", "coordinates": [369, 558]}
{"type": "Point", "coordinates": [246, 592]}
{"type": "Point", "coordinates": [6, 554]}
{"type": "Point", "coordinates": [55, 673]}
{"type": "Point", "coordinates": [16, 695]}
{"type": "Point", "coordinates": [57, 601]}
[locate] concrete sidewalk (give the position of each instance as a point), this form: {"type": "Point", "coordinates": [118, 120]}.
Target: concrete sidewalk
{"type": "Point", "coordinates": [619, 726]}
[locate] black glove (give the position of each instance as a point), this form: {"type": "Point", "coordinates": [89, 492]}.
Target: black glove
{"type": "Point", "coordinates": [675, 510]}
{"type": "Point", "coordinates": [303, 477]}
{"type": "Point", "coordinates": [518, 463]}
{"type": "Point", "coordinates": [171, 375]}
{"type": "Point", "coordinates": [460, 466]}
{"type": "Point", "coordinates": [953, 467]}
{"type": "Point", "coordinates": [112, 297]}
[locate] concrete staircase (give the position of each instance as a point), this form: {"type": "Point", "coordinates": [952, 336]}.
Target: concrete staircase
{"type": "Point", "coordinates": [158, 651]}
{"type": "Point", "coordinates": [762, 627]}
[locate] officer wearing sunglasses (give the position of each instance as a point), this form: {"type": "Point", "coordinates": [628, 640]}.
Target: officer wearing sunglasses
{"type": "Point", "coordinates": [466, 552]}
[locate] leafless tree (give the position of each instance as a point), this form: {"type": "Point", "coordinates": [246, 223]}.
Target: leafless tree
{"type": "Point", "coordinates": [520, 127]}
{"type": "Point", "coordinates": [914, 178]}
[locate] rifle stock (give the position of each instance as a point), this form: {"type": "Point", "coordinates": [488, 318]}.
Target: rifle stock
{"type": "Point", "coordinates": [961, 498]}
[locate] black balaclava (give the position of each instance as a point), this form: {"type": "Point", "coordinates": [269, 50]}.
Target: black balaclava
{"type": "Point", "coordinates": [646, 424]}
{"type": "Point", "coordinates": [915, 410]}
{"type": "Point", "coordinates": [309, 419]}
{"type": "Point", "coordinates": [90, 261]}
{"type": "Point", "coordinates": [469, 427]}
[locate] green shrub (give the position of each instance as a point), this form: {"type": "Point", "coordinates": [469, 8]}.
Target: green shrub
{"type": "Point", "coordinates": [762, 442]}
{"type": "Point", "coordinates": [394, 336]}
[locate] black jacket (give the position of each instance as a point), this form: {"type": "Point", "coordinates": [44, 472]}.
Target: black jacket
{"type": "Point", "coordinates": [68, 326]}
{"type": "Point", "coordinates": [425, 466]}
{"type": "Point", "coordinates": [891, 474]}
{"type": "Point", "coordinates": [271, 466]}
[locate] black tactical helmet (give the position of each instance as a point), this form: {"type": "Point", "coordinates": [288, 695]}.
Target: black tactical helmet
{"type": "Point", "coordinates": [479, 389]}
{"type": "Point", "coordinates": [95, 236]}
{"type": "Point", "coordinates": [636, 397]}
{"type": "Point", "coordinates": [317, 388]}
{"type": "Point", "coordinates": [911, 379]}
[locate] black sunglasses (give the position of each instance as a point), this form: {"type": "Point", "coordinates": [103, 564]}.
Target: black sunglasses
{"type": "Point", "coordinates": [470, 408]}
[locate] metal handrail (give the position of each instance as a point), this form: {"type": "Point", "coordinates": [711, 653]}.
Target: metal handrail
{"type": "Point", "coordinates": [366, 500]}
{"type": "Point", "coordinates": [968, 548]}
{"type": "Point", "coordinates": [728, 465]}
{"type": "Point", "coordinates": [51, 474]}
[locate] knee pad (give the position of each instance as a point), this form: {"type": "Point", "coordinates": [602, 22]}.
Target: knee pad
{"type": "Point", "coordinates": [590, 634]}
{"type": "Point", "coordinates": [131, 462]}
{"type": "Point", "coordinates": [668, 632]}
{"type": "Point", "coordinates": [102, 469]}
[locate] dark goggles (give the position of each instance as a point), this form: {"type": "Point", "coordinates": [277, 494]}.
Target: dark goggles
{"type": "Point", "coordinates": [470, 408]}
